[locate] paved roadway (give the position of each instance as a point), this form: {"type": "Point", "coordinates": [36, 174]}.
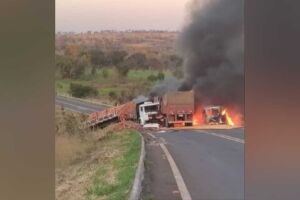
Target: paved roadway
{"type": "Point", "coordinates": [77, 105]}
{"type": "Point", "coordinates": [211, 162]}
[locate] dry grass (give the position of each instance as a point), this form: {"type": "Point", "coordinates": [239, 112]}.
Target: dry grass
{"type": "Point", "coordinates": [69, 149]}
{"type": "Point", "coordinates": [87, 161]}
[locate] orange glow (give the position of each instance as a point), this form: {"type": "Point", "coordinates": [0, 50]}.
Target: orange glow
{"type": "Point", "coordinates": [198, 117]}
{"type": "Point", "coordinates": [232, 118]}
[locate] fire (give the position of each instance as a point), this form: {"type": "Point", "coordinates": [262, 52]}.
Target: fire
{"type": "Point", "coordinates": [197, 117]}
{"type": "Point", "coordinates": [233, 117]}
{"type": "Point", "coordinates": [228, 118]}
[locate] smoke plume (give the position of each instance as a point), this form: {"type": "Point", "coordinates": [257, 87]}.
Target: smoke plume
{"type": "Point", "coordinates": [167, 85]}
{"type": "Point", "coordinates": [212, 47]}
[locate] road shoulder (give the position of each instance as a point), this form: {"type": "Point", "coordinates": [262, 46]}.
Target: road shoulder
{"type": "Point", "coordinates": [159, 182]}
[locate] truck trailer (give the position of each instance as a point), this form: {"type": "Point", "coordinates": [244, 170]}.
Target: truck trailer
{"type": "Point", "coordinates": [177, 108]}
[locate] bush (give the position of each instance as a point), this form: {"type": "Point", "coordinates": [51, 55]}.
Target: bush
{"type": "Point", "coordinates": [152, 78]}
{"type": "Point", "coordinates": [105, 73]}
{"type": "Point", "coordinates": [80, 91]}
{"type": "Point", "coordinates": [160, 76]}
{"type": "Point", "coordinates": [112, 95]}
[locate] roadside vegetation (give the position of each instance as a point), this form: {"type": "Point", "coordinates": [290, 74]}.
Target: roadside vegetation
{"type": "Point", "coordinates": [114, 66]}
{"type": "Point", "coordinates": [96, 164]}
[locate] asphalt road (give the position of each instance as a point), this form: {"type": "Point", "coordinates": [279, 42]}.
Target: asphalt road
{"type": "Point", "coordinates": [212, 167]}
{"type": "Point", "coordinates": [211, 161]}
{"type": "Point", "coordinates": [78, 106]}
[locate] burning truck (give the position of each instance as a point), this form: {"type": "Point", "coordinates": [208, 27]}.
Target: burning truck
{"type": "Point", "coordinates": [173, 109]}
{"type": "Point", "coordinates": [177, 109]}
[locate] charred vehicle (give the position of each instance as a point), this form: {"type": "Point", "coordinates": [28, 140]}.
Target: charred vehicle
{"type": "Point", "coordinates": [214, 115]}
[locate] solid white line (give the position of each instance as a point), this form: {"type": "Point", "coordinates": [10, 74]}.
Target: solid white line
{"type": "Point", "coordinates": [185, 195]}
{"type": "Point", "coordinates": [225, 137]}
{"type": "Point", "coordinates": [151, 135]}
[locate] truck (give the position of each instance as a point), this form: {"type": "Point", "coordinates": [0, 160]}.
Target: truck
{"type": "Point", "coordinates": [177, 108]}
{"type": "Point", "coordinates": [173, 109]}
{"type": "Point", "coordinates": [148, 113]}
{"type": "Point", "coordinates": [214, 115]}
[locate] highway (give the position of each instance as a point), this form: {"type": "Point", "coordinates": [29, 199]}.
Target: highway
{"type": "Point", "coordinates": [211, 162]}
{"type": "Point", "coordinates": [77, 105]}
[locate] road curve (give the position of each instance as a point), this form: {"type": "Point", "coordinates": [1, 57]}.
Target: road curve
{"type": "Point", "coordinates": [211, 164]}
{"type": "Point", "coordinates": [212, 167]}
{"type": "Point", "coordinates": [77, 105]}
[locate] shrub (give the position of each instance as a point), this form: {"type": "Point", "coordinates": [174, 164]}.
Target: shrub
{"type": "Point", "coordinates": [112, 95]}
{"type": "Point", "coordinates": [105, 73]}
{"type": "Point", "coordinates": [80, 91]}
{"type": "Point", "coordinates": [152, 78]}
{"type": "Point", "coordinates": [160, 76]}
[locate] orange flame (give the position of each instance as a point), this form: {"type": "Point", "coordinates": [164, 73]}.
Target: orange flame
{"type": "Point", "coordinates": [233, 118]}
{"type": "Point", "coordinates": [228, 118]}
{"type": "Point", "coordinates": [197, 117]}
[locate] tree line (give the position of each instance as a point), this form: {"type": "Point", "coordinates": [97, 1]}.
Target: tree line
{"type": "Point", "coordinates": [74, 61]}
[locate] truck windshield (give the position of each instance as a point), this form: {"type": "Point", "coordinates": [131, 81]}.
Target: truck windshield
{"type": "Point", "coordinates": [151, 108]}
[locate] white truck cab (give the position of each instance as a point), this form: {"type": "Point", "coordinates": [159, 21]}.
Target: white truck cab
{"type": "Point", "coordinates": [147, 114]}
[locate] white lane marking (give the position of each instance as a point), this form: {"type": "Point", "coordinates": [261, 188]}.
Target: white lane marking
{"type": "Point", "coordinates": [185, 195]}
{"type": "Point", "coordinates": [151, 135]}
{"type": "Point", "coordinates": [225, 137]}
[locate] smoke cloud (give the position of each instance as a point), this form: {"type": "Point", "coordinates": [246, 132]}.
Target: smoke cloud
{"type": "Point", "coordinates": [168, 85]}
{"type": "Point", "coordinates": [212, 47]}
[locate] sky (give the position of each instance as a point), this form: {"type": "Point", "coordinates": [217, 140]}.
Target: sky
{"type": "Point", "coordinates": [97, 15]}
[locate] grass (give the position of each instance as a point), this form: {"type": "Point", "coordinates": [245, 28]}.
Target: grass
{"type": "Point", "coordinates": [136, 83]}
{"type": "Point", "coordinates": [114, 178]}
{"type": "Point", "coordinates": [98, 164]}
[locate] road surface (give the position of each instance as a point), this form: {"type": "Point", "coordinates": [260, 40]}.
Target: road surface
{"type": "Point", "coordinates": [211, 162]}
{"type": "Point", "coordinates": [77, 105]}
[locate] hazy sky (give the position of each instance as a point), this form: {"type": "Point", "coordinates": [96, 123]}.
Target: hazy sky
{"type": "Point", "coordinates": [85, 15]}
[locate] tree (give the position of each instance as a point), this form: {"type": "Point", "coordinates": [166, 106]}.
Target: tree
{"type": "Point", "coordinates": [73, 51]}
{"type": "Point", "coordinates": [64, 65]}
{"type": "Point", "coordinates": [154, 63]}
{"type": "Point", "coordinates": [98, 57]}
{"type": "Point", "coordinates": [118, 57]}
{"type": "Point", "coordinates": [123, 69]}
{"type": "Point", "coordinates": [176, 61]}
{"type": "Point", "coordinates": [137, 60]}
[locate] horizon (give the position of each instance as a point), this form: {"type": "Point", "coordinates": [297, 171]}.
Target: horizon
{"type": "Point", "coordinates": [119, 15]}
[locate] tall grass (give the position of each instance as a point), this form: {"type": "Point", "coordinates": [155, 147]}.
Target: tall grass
{"type": "Point", "coordinates": [113, 180]}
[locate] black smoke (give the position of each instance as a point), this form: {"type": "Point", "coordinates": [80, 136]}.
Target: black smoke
{"type": "Point", "coordinates": [212, 47]}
